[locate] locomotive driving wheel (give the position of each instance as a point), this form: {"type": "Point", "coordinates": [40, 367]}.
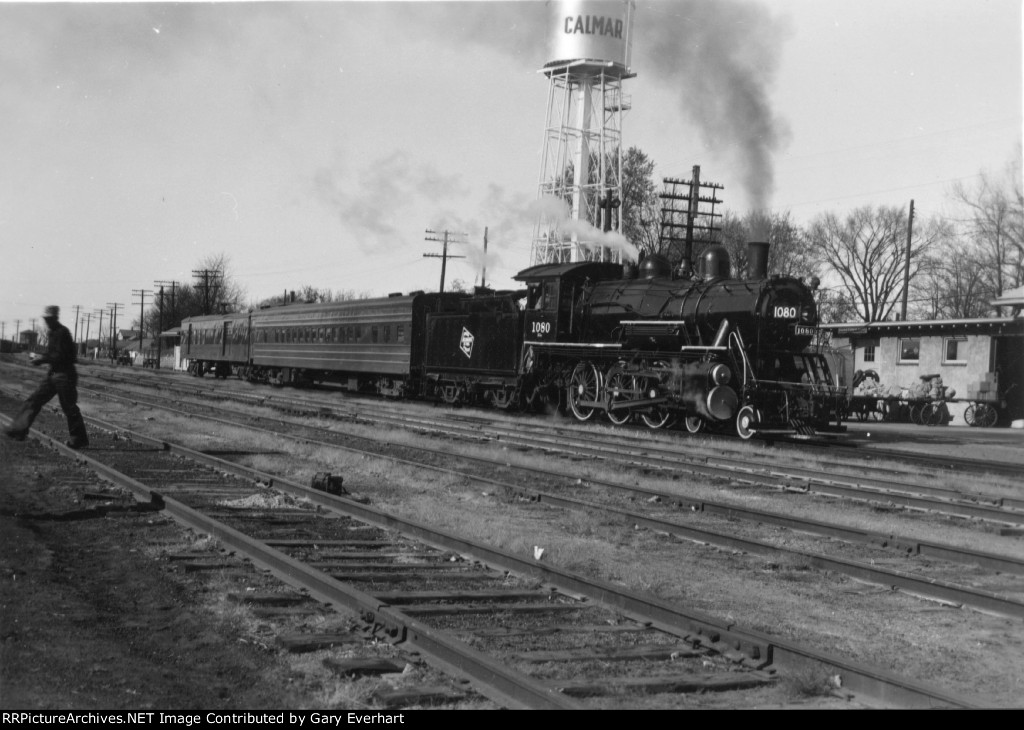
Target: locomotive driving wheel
{"type": "Point", "coordinates": [584, 386]}
{"type": "Point", "coordinates": [744, 418]}
{"type": "Point", "coordinates": [656, 416]}
{"type": "Point", "coordinates": [619, 387]}
{"type": "Point", "coordinates": [695, 424]}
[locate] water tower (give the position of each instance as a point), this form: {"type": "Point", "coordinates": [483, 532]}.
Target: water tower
{"type": "Point", "coordinates": [582, 155]}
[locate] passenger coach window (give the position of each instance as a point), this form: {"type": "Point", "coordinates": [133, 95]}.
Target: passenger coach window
{"type": "Point", "coordinates": [401, 333]}
{"type": "Point", "coordinates": [387, 333]}
{"type": "Point", "coordinates": [373, 334]}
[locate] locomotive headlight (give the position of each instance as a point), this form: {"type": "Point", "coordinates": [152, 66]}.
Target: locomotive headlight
{"type": "Point", "coordinates": [807, 314]}
{"type": "Point", "coordinates": [720, 374]}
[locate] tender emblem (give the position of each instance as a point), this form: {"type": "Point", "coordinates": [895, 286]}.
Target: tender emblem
{"type": "Point", "coordinates": [466, 345]}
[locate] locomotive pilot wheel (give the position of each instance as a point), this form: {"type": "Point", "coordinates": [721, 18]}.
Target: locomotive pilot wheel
{"type": "Point", "coordinates": [584, 387]}
{"type": "Point", "coordinates": [744, 418]}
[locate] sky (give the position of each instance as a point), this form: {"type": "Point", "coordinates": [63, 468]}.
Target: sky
{"type": "Point", "coordinates": [315, 143]}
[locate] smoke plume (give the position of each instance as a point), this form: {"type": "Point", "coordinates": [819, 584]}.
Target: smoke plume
{"type": "Point", "coordinates": [722, 58]}
{"type": "Point", "coordinates": [555, 212]}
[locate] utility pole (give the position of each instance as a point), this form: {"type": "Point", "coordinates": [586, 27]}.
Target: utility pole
{"type": "Point", "coordinates": [444, 255]}
{"type": "Point", "coordinates": [173, 286]}
{"type": "Point", "coordinates": [77, 307]}
{"type": "Point", "coordinates": [688, 217]}
{"type": "Point", "coordinates": [160, 329]}
{"type": "Point", "coordinates": [483, 276]}
{"type": "Point", "coordinates": [85, 341]}
{"type": "Point", "coordinates": [114, 308]}
{"type": "Point", "coordinates": [99, 330]}
{"type": "Point", "coordinates": [906, 265]}
{"type": "Point", "coordinates": [206, 275]}
{"type": "Point", "coordinates": [141, 294]}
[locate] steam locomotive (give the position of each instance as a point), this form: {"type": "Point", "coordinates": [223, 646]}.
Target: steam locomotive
{"type": "Point", "coordinates": [588, 338]}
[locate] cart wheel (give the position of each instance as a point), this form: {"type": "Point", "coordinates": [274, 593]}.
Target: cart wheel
{"type": "Point", "coordinates": [917, 413]}
{"type": "Point", "coordinates": [986, 415]}
{"type": "Point", "coordinates": [931, 414]}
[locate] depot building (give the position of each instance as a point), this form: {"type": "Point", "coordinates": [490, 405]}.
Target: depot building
{"type": "Point", "coordinates": [982, 360]}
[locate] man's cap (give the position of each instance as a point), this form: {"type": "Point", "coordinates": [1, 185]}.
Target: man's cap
{"type": "Point", "coordinates": [51, 311]}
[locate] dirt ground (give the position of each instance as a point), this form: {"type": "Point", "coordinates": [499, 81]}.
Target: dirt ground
{"type": "Point", "coordinates": [89, 620]}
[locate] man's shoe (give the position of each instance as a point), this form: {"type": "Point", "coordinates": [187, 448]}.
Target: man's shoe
{"type": "Point", "coordinates": [13, 434]}
{"type": "Point", "coordinates": [76, 443]}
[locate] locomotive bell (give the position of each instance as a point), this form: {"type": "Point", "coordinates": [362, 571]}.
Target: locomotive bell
{"type": "Point", "coordinates": [655, 266]}
{"type": "Point", "coordinates": [715, 262]}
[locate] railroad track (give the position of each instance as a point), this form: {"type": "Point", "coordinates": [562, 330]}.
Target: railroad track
{"type": "Point", "coordinates": [857, 481]}
{"type": "Point", "coordinates": [926, 577]}
{"type": "Point", "coordinates": [524, 634]}
{"type": "Point", "coordinates": [894, 463]}
{"type": "Point", "coordinates": [870, 468]}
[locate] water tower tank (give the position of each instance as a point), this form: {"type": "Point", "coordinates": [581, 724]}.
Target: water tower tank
{"type": "Point", "coordinates": [597, 33]}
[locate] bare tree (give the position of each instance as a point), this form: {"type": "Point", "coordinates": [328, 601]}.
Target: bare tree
{"type": "Point", "coordinates": [213, 291]}
{"type": "Point", "coordinates": [310, 293]}
{"type": "Point", "coordinates": [867, 250]}
{"type": "Point", "coordinates": [953, 282]}
{"type": "Point", "coordinates": [993, 221]}
{"type": "Point", "coordinates": [789, 254]}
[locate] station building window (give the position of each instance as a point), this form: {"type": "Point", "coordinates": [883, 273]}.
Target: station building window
{"type": "Point", "coordinates": [869, 352]}
{"type": "Point", "coordinates": [910, 350]}
{"type": "Point", "coordinates": [954, 350]}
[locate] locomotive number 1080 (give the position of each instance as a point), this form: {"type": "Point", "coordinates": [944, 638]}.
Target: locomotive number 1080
{"type": "Point", "coordinates": [540, 328]}
{"type": "Point", "coordinates": [782, 312]}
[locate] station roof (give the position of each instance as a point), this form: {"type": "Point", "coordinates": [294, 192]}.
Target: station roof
{"type": "Point", "coordinates": [988, 325]}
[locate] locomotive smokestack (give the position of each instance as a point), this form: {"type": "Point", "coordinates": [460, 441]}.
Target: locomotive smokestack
{"type": "Point", "coordinates": [757, 259]}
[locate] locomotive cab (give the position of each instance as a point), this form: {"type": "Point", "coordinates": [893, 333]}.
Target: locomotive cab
{"type": "Point", "coordinates": [553, 291]}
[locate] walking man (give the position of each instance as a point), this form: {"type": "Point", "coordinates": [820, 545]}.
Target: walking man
{"type": "Point", "coordinates": [60, 381]}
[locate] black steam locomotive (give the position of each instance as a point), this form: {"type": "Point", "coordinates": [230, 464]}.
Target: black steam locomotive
{"type": "Point", "coordinates": [588, 338]}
